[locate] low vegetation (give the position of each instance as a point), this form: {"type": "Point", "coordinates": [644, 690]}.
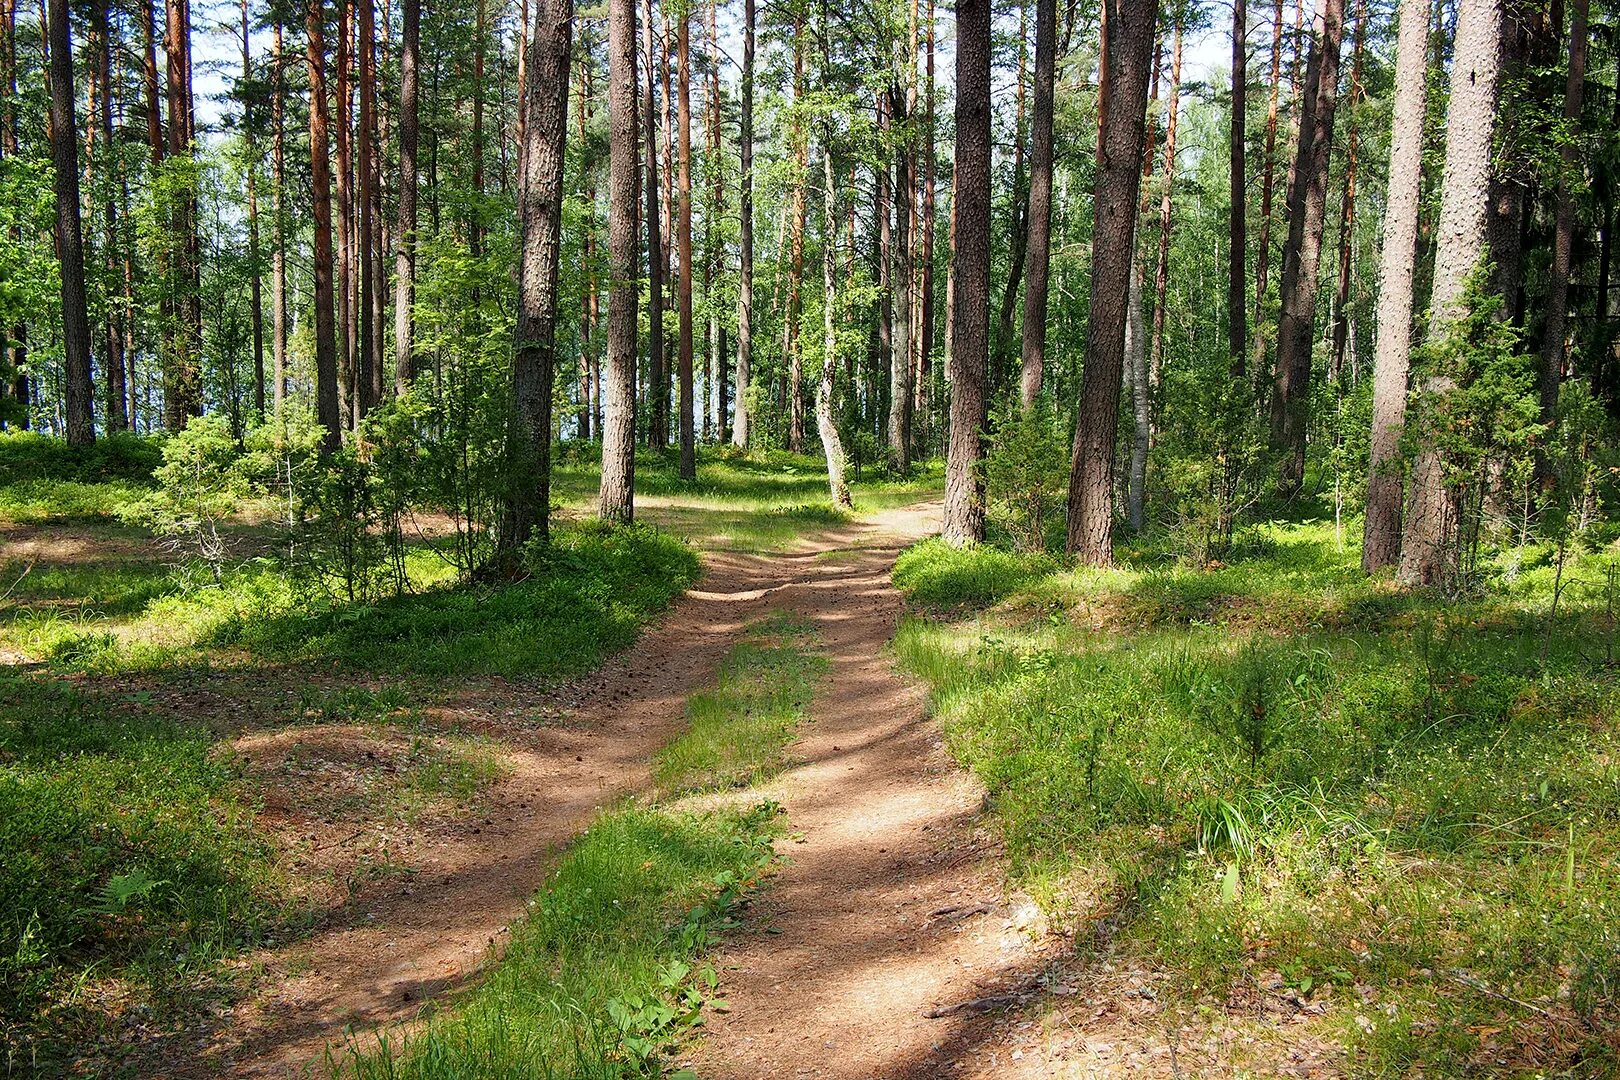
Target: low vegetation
{"type": "Point", "coordinates": [1279, 774]}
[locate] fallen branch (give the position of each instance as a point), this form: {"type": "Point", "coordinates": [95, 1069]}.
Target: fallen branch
{"type": "Point", "coordinates": [978, 1005]}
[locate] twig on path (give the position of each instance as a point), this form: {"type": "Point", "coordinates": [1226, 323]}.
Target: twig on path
{"type": "Point", "coordinates": [958, 911]}
{"type": "Point", "coordinates": [1479, 985]}
{"type": "Point", "coordinates": [983, 1004]}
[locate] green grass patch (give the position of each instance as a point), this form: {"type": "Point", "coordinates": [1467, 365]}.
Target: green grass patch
{"type": "Point", "coordinates": [126, 854]}
{"type": "Point", "coordinates": [937, 575]}
{"type": "Point", "coordinates": [43, 479]}
{"type": "Point", "coordinates": [604, 975]}
{"type": "Point", "coordinates": [738, 731]}
{"type": "Point", "coordinates": [1278, 769]}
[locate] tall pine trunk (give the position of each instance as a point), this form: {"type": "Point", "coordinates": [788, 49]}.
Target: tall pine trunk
{"type": "Point", "coordinates": [1307, 201]}
{"type": "Point", "coordinates": [1039, 217]}
{"type": "Point", "coordinates": [256, 275]}
{"type": "Point", "coordinates": [1119, 146]}
{"type": "Point", "coordinates": [618, 392]}
{"type": "Point", "coordinates": [1237, 326]}
{"type": "Point", "coordinates": [745, 239]}
{"type": "Point", "coordinates": [320, 169]}
{"type": "Point", "coordinates": [969, 355]}
{"type": "Point", "coordinates": [1556, 328]}
{"type": "Point", "coordinates": [114, 337]}
{"type": "Point", "coordinates": [77, 388]}
{"type": "Point", "coordinates": [405, 228]}
{"type": "Point", "coordinates": [534, 355]}
{"type": "Point", "coordinates": [278, 225]}
{"type": "Point", "coordinates": [1381, 536]}
{"type": "Point", "coordinates": [683, 59]}
{"type": "Point", "coordinates": [826, 427]}
{"type": "Point", "coordinates": [657, 419]}
{"type": "Point", "coordinates": [1429, 538]}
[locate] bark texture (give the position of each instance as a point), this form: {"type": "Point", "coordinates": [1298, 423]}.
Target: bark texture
{"type": "Point", "coordinates": [1039, 245]}
{"type": "Point", "coordinates": [77, 388]}
{"type": "Point", "coordinates": [618, 393]}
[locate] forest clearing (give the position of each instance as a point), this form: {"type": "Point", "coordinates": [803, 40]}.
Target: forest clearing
{"type": "Point", "coordinates": [737, 539]}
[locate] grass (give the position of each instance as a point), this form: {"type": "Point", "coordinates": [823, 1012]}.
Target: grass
{"type": "Point", "coordinates": [605, 975]}
{"type": "Point", "coordinates": [737, 732]}
{"type": "Point", "coordinates": [1281, 770]}
{"type": "Point", "coordinates": [43, 479]}
{"type": "Point", "coordinates": [129, 851]}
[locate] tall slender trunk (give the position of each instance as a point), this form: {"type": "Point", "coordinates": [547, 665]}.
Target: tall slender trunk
{"type": "Point", "coordinates": [1136, 338]}
{"type": "Point", "coordinates": [1381, 542]}
{"type": "Point", "coordinates": [1237, 326]}
{"type": "Point", "coordinates": [77, 388]}
{"type": "Point", "coordinates": [745, 238]}
{"type": "Point", "coordinates": [925, 321]}
{"type": "Point", "coordinates": [372, 282]}
{"type": "Point", "coordinates": [348, 330]}
{"type": "Point", "coordinates": [683, 54]}
{"type": "Point", "coordinates": [1347, 206]}
{"type": "Point", "coordinates": [114, 336]}
{"type": "Point", "coordinates": [278, 225]}
{"type": "Point", "coordinates": [182, 392]}
{"type": "Point", "coordinates": [900, 286]}
{"type": "Point", "coordinates": [410, 48]}
{"type": "Point", "coordinates": [618, 390]}
{"type": "Point", "coordinates": [320, 169]}
{"type": "Point", "coordinates": [1296, 329]}
{"type": "Point", "coordinates": [1555, 330]}
{"type": "Point", "coordinates": [1018, 211]}
{"type": "Point", "coordinates": [717, 332]}
{"type": "Point", "coordinates": [885, 263]}
{"type": "Point", "coordinates": [1161, 273]}
{"type": "Point", "coordinates": [969, 356]}
{"type": "Point", "coordinates": [1429, 538]}
{"type": "Point", "coordinates": [1039, 217]}
{"type": "Point", "coordinates": [255, 280]}
{"type": "Point", "coordinates": [587, 298]}
{"type": "Point", "coordinates": [1268, 172]}
{"type": "Point", "coordinates": [534, 355]}
{"type": "Point", "coordinates": [790, 344]}
{"type": "Point", "coordinates": [1091, 471]}
{"type": "Point", "coordinates": [657, 419]}
{"type": "Point", "coordinates": [831, 445]}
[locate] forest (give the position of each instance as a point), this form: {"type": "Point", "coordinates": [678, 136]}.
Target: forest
{"type": "Point", "coordinates": [736, 539]}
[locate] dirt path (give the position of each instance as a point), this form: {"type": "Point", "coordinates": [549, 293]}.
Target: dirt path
{"type": "Point", "coordinates": [426, 931]}
{"type": "Point", "coordinates": [891, 910]}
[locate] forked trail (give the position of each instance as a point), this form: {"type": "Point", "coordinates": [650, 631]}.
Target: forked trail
{"type": "Point", "coordinates": [845, 952]}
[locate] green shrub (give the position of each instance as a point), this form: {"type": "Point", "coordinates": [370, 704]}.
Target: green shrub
{"type": "Point", "coordinates": [937, 575]}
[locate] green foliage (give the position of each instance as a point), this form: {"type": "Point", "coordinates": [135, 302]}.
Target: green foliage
{"type": "Point", "coordinates": [128, 847]}
{"type": "Point", "coordinates": [602, 978]}
{"type": "Point", "coordinates": [937, 575]}
{"type": "Point", "coordinates": [738, 731]}
{"type": "Point", "coordinates": [1026, 474]}
{"type": "Point", "coordinates": [1279, 767]}
{"type": "Point", "coordinates": [199, 485]}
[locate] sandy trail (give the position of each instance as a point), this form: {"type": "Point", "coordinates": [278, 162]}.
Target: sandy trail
{"type": "Point", "coordinates": [892, 905]}
{"type": "Point", "coordinates": [423, 934]}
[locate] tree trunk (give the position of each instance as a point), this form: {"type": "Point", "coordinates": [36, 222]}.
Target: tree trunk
{"type": "Point", "coordinates": [369, 372]}
{"type": "Point", "coordinates": [77, 388]}
{"type": "Point", "coordinates": [534, 356]}
{"type": "Point", "coordinates": [1039, 216]}
{"type": "Point", "coordinates": [587, 299]}
{"type": "Point", "coordinates": [1347, 207]}
{"type": "Point", "coordinates": [320, 168]}
{"type": "Point", "coordinates": [900, 328]}
{"type": "Point", "coordinates": [1161, 274]}
{"type": "Point", "coordinates": [1091, 472]}
{"type": "Point", "coordinates": [831, 446]}
{"type": "Point", "coordinates": [182, 395]}
{"type": "Point", "coordinates": [657, 419]}
{"type": "Point", "coordinates": [683, 59]}
{"type": "Point", "coordinates": [1237, 327]}
{"type": "Point", "coordinates": [1136, 338]}
{"type": "Point", "coordinates": [1428, 543]}
{"type": "Point", "coordinates": [1381, 538]}
{"type": "Point", "coordinates": [885, 264]}
{"type": "Point", "coordinates": [278, 210]}
{"type": "Point", "coordinates": [1296, 329]}
{"type": "Point", "coordinates": [618, 391]}
{"type": "Point", "coordinates": [1555, 330]}
{"type": "Point", "coordinates": [114, 337]}
{"type": "Point", "coordinates": [790, 329]}
{"type": "Point", "coordinates": [969, 357]}
{"type": "Point", "coordinates": [745, 243]}
{"type": "Point", "coordinates": [255, 285]}
{"type": "Point", "coordinates": [1018, 227]}
{"type": "Point", "coordinates": [1268, 173]}
{"type": "Point", "coordinates": [410, 60]}
{"type": "Point", "coordinates": [925, 332]}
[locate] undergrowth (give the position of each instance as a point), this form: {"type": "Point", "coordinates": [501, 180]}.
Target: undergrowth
{"type": "Point", "coordinates": [1276, 771]}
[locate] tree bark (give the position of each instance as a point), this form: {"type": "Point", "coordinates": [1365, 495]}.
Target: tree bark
{"type": "Point", "coordinates": [1091, 471]}
{"type": "Point", "coordinates": [1381, 536]}
{"type": "Point", "coordinates": [77, 388]}
{"type": "Point", "coordinates": [114, 336]}
{"type": "Point", "coordinates": [683, 59]}
{"type": "Point", "coordinates": [410, 60]}
{"type": "Point", "coordinates": [831, 446]}
{"type": "Point", "coordinates": [969, 356]}
{"type": "Point", "coordinates": [1347, 207]}
{"type": "Point", "coordinates": [369, 374]}
{"type": "Point", "coordinates": [790, 329]}
{"type": "Point", "coordinates": [1161, 274]}
{"type": "Point", "coordinates": [925, 333]}
{"type": "Point", "coordinates": [326, 360]}
{"type": "Point", "coordinates": [1428, 543]}
{"type": "Point", "coordinates": [182, 396]}
{"type": "Point", "coordinates": [657, 419]}
{"type": "Point", "coordinates": [1296, 329]}
{"type": "Point", "coordinates": [618, 393]}
{"type": "Point", "coordinates": [255, 281]}
{"type": "Point", "coordinates": [1268, 172]}
{"type": "Point", "coordinates": [1556, 328]}
{"type": "Point", "coordinates": [1039, 216]}
{"type": "Point", "coordinates": [534, 357]}
{"type": "Point", "coordinates": [1237, 324]}
{"type": "Point", "coordinates": [745, 240]}
{"type": "Point", "coordinates": [900, 323]}
{"type": "Point", "coordinates": [278, 210]}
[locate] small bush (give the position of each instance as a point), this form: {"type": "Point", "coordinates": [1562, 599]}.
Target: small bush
{"type": "Point", "coordinates": [935, 574]}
